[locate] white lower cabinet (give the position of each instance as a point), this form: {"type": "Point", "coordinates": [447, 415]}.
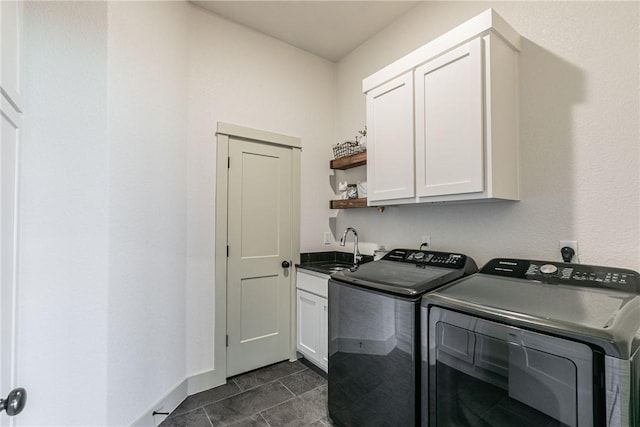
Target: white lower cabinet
{"type": "Point", "coordinates": [312, 318]}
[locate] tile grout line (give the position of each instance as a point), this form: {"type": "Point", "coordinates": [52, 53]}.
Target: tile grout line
{"type": "Point", "coordinates": [293, 396]}
{"type": "Point", "coordinates": [288, 400]}
{"type": "Point", "coordinates": [304, 368]}
{"type": "Point", "coordinates": [287, 388]}
{"type": "Point", "coordinates": [236, 383]}
{"type": "Point", "coordinates": [241, 391]}
{"type": "Point", "coordinates": [207, 415]}
{"type": "Point", "coordinates": [208, 403]}
{"type": "Point", "coordinates": [264, 419]}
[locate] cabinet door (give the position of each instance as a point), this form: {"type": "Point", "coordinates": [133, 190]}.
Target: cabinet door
{"type": "Point", "coordinates": [324, 334]}
{"type": "Point", "coordinates": [10, 44]}
{"type": "Point", "coordinates": [390, 140]}
{"type": "Point", "coordinates": [309, 325]}
{"type": "Point", "coordinates": [449, 123]}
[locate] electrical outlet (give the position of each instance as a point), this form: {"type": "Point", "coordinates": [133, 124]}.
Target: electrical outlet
{"type": "Point", "coordinates": [573, 244]}
{"type": "Point", "coordinates": [425, 243]}
{"type": "Point", "coordinates": [326, 238]}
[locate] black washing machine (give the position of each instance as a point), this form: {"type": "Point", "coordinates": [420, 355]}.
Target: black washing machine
{"type": "Point", "coordinates": [374, 335]}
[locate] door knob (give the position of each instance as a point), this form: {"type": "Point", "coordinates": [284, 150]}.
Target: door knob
{"type": "Point", "coordinates": [286, 264]}
{"type": "Point", "coordinates": [14, 403]}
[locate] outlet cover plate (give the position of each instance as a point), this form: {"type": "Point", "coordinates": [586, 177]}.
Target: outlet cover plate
{"type": "Point", "coordinates": [326, 240]}
{"type": "Point", "coordinates": [573, 244]}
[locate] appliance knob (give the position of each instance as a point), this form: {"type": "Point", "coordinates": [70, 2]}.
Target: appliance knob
{"type": "Point", "coordinates": [548, 269]}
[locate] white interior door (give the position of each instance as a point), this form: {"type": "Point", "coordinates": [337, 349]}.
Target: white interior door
{"type": "Point", "coordinates": [10, 133]}
{"type": "Point", "coordinates": [259, 239]}
{"type": "Point", "coordinates": [9, 143]}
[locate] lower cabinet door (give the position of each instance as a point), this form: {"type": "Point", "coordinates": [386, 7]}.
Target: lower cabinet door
{"type": "Point", "coordinates": [324, 334]}
{"type": "Point", "coordinates": [312, 328]}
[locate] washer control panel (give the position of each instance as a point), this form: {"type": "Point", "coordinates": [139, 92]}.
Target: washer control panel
{"type": "Point", "coordinates": [564, 273]}
{"type": "Point", "coordinates": [424, 258]}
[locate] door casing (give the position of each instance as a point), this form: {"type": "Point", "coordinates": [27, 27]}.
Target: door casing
{"type": "Point", "coordinates": [224, 134]}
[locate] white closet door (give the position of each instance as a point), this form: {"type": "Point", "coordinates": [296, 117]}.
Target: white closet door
{"type": "Point", "coordinates": [10, 135]}
{"type": "Point", "coordinates": [259, 238]}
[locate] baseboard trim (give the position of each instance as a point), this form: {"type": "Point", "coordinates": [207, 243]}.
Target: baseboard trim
{"type": "Point", "coordinates": [167, 403]}
{"type": "Point", "coordinates": [170, 401]}
{"type": "Point", "coordinates": [205, 380]}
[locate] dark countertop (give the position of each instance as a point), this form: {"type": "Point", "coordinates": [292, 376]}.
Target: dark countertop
{"type": "Point", "coordinates": [320, 261]}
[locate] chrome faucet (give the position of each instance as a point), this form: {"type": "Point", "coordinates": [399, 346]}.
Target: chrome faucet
{"type": "Point", "coordinates": [356, 253]}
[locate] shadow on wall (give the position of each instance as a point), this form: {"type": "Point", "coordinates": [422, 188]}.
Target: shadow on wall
{"type": "Point", "coordinates": [549, 87]}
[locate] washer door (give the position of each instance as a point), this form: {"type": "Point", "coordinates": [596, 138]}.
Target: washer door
{"type": "Point", "coordinates": [482, 373]}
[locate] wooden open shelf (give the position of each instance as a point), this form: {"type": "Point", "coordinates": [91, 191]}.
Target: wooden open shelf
{"type": "Point", "coordinates": [358, 159]}
{"type": "Point", "coordinates": [348, 203]}
{"type": "Point", "coordinates": [348, 162]}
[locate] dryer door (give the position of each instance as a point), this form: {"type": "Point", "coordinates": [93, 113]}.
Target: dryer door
{"type": "Point", "coordinates": [483, 373]}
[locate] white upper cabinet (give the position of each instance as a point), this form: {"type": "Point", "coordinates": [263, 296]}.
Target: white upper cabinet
{"type": "Point", "coordinates": [443, 119]}
{"type": "Point", "coordinates": [11, 44]}
{"type": "Point", "coordinates": [448, 120]}
{"type": "Point", "coordinates": [390, 140]}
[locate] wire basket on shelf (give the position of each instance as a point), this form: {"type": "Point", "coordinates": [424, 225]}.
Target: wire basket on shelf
{"type": "Point", "coordinates": [347, 148]}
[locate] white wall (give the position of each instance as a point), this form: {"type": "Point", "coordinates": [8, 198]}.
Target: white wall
{"type": "Point", "coordinates": [147, 106]}
{"type": "Point", "coordinates": [242, 77]}
{"type": "Point", "coordinates": [118, 167]}
{"type": "Point", "coordinates": [63, 206]}
{"type": "Point", "coordinates": [103, 205]}
{"type": "Point", "coordinates": [579, 133]}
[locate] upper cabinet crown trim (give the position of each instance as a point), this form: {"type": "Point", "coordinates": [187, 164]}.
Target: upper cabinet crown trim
{"type": "Point", "coordinates": [487, 21]}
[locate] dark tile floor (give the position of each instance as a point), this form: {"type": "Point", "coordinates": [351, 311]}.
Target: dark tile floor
{"type": "Point", "coordinates": [284, 394]}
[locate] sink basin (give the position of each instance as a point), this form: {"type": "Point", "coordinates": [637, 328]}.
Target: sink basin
{"type": "Point", "coordinates": [334, 267]}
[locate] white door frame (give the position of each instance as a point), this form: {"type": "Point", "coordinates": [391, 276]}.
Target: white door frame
{"type": "Point", "coordinates": [224, 132]}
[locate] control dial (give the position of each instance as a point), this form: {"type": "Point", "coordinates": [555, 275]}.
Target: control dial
{"type": "Point", "coordinates": [548, 269]}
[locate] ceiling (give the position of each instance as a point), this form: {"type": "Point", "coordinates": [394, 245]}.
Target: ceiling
{"type": "Point", "coordinates": [330, 29]}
